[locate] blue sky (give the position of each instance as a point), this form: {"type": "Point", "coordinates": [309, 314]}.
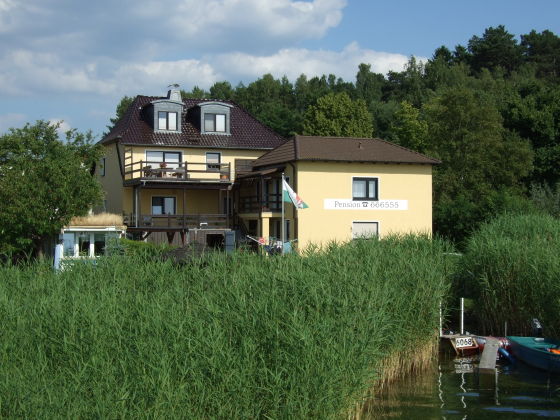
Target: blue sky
{"type": "Point", "coordinates": [73, 61]}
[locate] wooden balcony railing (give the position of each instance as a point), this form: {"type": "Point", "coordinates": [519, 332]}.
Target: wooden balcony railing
{"type": "Point", "coordinates": [187, 221]}
{"type": "Point", "coordinates": [255, 204]}
{"type": "Point", "coordinates": [184, 171]}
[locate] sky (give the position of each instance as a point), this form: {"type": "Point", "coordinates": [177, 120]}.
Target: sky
{"type": "Point", "coordinates": [72, 61]}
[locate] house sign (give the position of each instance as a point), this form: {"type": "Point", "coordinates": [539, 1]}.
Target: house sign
{"type": "Point", "coordinates": [349, 204]}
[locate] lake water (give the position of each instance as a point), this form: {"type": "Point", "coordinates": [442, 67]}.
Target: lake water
{"type": "Point", "coordinates": [453, 389]}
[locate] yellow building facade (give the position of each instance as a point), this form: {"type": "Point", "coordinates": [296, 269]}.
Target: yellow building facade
{"type": "Point", "coordinates": [182, 169]}
{"type": "Point", "coordinates": [170, 166]}
{"type": "Point", "coordinates": [354, 188]}
{"type": "Point", "coordinates": [404, 201]}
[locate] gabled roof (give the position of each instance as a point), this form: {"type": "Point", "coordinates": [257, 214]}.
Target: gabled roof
{"type": "Point", "coordinates": [134, 128]}
{"type": "Point", "coordinates": [341, 149]}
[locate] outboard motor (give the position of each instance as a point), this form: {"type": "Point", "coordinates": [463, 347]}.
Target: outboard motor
{"type": "Point", "coordinates": [536, 328]}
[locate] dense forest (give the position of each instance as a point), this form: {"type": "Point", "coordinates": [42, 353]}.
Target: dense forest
{"type": "Point", "coordinates": [490, 111]}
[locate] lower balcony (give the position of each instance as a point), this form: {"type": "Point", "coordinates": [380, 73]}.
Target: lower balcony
{"type": "Point", "coordinates": [166, 222]}
{"type": "Point", "coordinates": [255, 204]}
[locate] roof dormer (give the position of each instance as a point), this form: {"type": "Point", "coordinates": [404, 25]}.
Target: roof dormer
{"type": "Point", "coordinates": [167, 112]}
{"type": "Point", "coordinates": [215, 118]}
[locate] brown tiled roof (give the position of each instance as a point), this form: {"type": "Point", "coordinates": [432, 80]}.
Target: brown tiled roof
{"type": "Point", "coordinates": [341, 149]}
{"type": "Point", "coordinates": [246, 132]}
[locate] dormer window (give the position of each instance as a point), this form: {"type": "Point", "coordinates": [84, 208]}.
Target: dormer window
{"type": "Point", "coordinates": [166, 113]}
{"type": "Point", "coordinates": [167, 120]}
{"type": "Point", "coordinates": [215, 118]}
{"type": "Point", "coordinates": [215, 123]}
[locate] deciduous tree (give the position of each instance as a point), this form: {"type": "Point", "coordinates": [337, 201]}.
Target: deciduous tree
{"type": "Point", "coordinates": [481, 161]}
{"type": "Point", "coordinates": [337, 115]}
{"type": "Point", "coordinates": [44, 182]}
{"type": "Point", "coordinates": [408, 129]}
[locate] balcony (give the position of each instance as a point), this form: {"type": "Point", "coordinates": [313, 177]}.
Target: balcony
{"type": "Point", "coordinates": [255, 204]}
{"type": "Point", "coordinates": [177, 172]}
{"type": "Point", "coordinates": [177, 221]}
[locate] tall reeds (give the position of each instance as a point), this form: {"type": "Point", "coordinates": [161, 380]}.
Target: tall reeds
{"type": "Point", "coordinates": [236, 336]}
{"type": "Point", "coordinates": [511, 268]}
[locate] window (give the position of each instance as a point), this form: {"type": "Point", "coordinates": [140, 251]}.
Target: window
{"type": "Point", "coordinates": [215, 123]}
{"type": "Point", "coordinates": [69, 242]}
{"type": "Point", "coordinates": [163, 205]}
{"type": "Point", "coordinates": [102, 167]}
{"type": "Point", "coordinates": [213, 161]}
{"type": "Point", "coordinates": [215, 117]}
{"type": "Point", "coordinates": [364, 189]}
{"type": "Point", "coordinates": [167, 120]}
{"type": "Point", "coordinates": [173, 159]}
{"type": "Point", "coordinates": [98, 244]}
{"type": "Point", "coordinates": [365, 230]}
{"type": "Point", "coordinates": [84, 241]}
{"type": "Point", "coordinates": [79, 244]}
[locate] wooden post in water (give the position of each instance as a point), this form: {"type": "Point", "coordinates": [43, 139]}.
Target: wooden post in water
{"type": "Point", "coordinates": [462, 316]}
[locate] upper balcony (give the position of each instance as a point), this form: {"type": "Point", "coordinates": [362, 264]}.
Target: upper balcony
{"type": "Point", "coordinates": [177, 172]}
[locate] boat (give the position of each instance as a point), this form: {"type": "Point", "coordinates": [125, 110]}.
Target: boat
{"type": "Point", "coordinates": [481, 340]}
{"type": "Point", "coordinates": [542, 353]}
{"type": "Point", "coordinates": [463, 345]}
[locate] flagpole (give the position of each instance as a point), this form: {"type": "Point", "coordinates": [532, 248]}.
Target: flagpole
{"type": "Point", "coordinates": [283, 223]}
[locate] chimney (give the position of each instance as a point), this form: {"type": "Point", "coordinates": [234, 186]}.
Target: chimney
{"type": "Point", "coordinates": [174, 94]}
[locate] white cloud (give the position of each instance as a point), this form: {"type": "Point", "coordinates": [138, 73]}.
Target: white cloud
{"type": "Point", "coordinates": [247, 22]}
{"type": "Point", "coordinates": [88, 48]}
{"type": "Point", "coordinates": [293, 61]}
{"type": "Point", "coordinates": [158, 29]}
{"type": "Point", "coordinates": [24, 72]}
{"type": "Point", "coordinates": [155, 75]}
{"type": "Point", "coordinates": [63, 126]}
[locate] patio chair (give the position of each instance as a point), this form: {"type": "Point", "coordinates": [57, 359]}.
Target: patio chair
{"type": "Point", "coordinates": [148, 171]}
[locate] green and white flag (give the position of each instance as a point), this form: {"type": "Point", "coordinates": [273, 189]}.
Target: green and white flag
{"type": "Point", "coordinates": [290, 195]}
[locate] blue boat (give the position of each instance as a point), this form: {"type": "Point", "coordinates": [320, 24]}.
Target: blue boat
{"type": "Point", "coordinates": [542, 353]}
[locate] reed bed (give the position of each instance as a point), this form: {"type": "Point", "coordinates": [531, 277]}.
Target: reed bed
{"type": "Point", "coordinates": [511, 268]}
{"type": "Point", "coordinates": [237, 336]}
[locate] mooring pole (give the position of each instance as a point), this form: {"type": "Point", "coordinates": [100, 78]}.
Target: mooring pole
{"type": "Point", "coordinates": [462, 319]}
{"type": "Point", "coordinates": [440, 321]}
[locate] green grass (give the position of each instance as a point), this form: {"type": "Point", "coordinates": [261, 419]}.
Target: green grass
{"type": "Point", "coordinates": [238, 336]}
{"type": "Point", "coordinates": [511, 268]}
